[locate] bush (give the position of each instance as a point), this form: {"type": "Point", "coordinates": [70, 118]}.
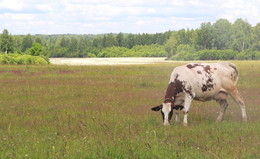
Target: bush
{"type": "Point", "coordinates": [5, 59]}
{"type": "Point", "coordinates": [113, 52]}
{"type": "Point", "coordinates": [91, 55]}
{"type": "Point", "coordinates": [37, 49]}
{"type": "Point", "coordinates": [185, 52]}
{"type": "Point", "coordinates": [59, 52]}
{"type": "Point", "coordinates": [241, 56]}
{"type": "Point", "coordinates": [257, 55]}
{"type": "Point", "coordinates": [248, 54]}
{"type": "Point", "coordinates": [40, 61]}
{"type": "Point", "coordinates": [22, 59]}
{"type": "Point", "coordinates": [216, 54]}
{"type": "Point", "coordinates": [154, 50]}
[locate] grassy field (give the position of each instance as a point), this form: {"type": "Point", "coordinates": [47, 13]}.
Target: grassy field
{"type": "Point", "coordinates": [104, 112]}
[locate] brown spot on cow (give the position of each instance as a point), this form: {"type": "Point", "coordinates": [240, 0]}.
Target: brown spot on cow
{"type": "Point", "coordinates": [170, 92]}
{"type": "Point", "coordinates": [199, 72]}
{"type": "Point", "coordinates": [208, 85]}
{"type": "Point", "coordinates": [188, 90]}
{"type": "Point", "coordinates": [206, 69]}
{"type": "Point", "coordinates": [204, 88]}
{"type": "Point", "coordinates": [209, 80]}
{"type": "Point", "coordinates": [173, 89]}
{"type": "Point", "coordinates": [176, 87]}
{"type": "Point", "coordinates": [190, 66]}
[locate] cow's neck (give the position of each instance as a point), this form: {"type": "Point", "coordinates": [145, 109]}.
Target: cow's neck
{"type": "Point", "coordinates": [170, 92]}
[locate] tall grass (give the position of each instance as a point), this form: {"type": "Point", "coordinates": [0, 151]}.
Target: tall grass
{"type": "Point", "coordinates": [104, 112]}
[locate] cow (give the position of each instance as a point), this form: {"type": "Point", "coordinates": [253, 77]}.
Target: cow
{"type": "Point", "coordinates": [202, 82]}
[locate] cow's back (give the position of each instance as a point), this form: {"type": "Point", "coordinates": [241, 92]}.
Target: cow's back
{"type": "Point", "coordinates": [206, 79]}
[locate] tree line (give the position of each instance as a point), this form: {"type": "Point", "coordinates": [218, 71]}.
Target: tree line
{"type": "Point", "coordinates": [211, 41]}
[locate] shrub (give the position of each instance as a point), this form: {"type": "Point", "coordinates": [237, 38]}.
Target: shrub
{"type": "Point", "coordinates": [185, 52]}
{"type": "Point", "coordinates": [5, 59]}
{"type": "Point", "coordinates": [257, 55]}
{"type": "Point", "coordinates": [25, 59]}
{"type": "Point", "coordinates": [241, 56]}
{"type": "Point", "coordinates": [216, 54]}
{"type": "Point", "coordinates": [154, 50]}
{"type": "Point", "coordinates": [248, 54]}
{"type": "Point", "coordinates": [22, 59]}
{"type": "Point", "coordinates": [37, 49]}
{"type": "Point", "coordinates": [40, 61]}
{"type": "Point", "coordinates": [91, 55]}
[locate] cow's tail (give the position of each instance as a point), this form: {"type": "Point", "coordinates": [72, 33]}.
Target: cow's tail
{"type": "Point", "coordinates": [234, 75]}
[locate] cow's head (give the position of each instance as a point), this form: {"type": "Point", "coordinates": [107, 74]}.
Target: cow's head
{"type": "Point", "coordinates": [166, 109]}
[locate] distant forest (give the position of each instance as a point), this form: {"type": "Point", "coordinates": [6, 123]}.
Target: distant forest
{"type": "Point", "coordinates": [221, 40]}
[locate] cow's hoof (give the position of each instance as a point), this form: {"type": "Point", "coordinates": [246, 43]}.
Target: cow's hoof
{"type": "Point", "coordinates": [218, 120]}
{"type": "Point", "coordinates": [185, 124]}
{"type": "Point", "coordinates": [166, 124]}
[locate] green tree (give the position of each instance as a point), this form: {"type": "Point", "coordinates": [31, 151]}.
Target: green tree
{"type": "Point", "coordinates": [97, 43]}
{"type": "Point", "coordinates": [6, 40]}
{"type": "Point", "coordinates": [256, 38]}
{"type": "Point", "coordinates": [241, 35]}
{"type": "Point", "coordinates": [171, 46]}
{"type": "Point", "coordinates": [130, 41]}
{"type": "Point", "coordinates": [183, 37]}
{"type": "Point", "coordinates": [63, 42]}
{"type": "Point", "coordinates": [27, 42]}
{"type": "Point", "coordinates": [184, 52]}
{"type": "Point", "coordinates": [82, 44]}
{"type": "Point", "coordinates": [37, 50]}
{"type": "Point", "coordinates": [39, 40]}
{"type": "Point", "coordinates": [221, 34]}
{"type": "Point", "coordinates": [17, 39]}
{"type": "Point", "coordinates": [120, 39]}
{"type": "Point", "coordinates": [109, 40]}
{"type": "Point", "coordinates": [73, 46]}
{"type": "Point", "coordinates": [205, 36]}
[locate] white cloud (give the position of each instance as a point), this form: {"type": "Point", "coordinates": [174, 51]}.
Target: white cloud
{"type": "Point", "coordinates": [11, 4]}
{"type": "Point", "coordinates": [103, 16]}
{"type": "Point", "coordinates": [234, 9]}
{"type": "Point", "coordinates": [23, 17]}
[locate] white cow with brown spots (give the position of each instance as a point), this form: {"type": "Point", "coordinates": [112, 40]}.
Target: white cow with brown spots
{"type": "Point", "coordinates": [202, 82]}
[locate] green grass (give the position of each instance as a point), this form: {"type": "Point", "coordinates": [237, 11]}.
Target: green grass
{"type": "Point", "coordinates": [104, 112]}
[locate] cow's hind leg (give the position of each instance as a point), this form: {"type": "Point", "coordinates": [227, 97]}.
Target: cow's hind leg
{"type": "Point", "coordinates": [223, 106]}
{"type": "Point", "coordinates": [221, 99]}
{"type": "Point", "coordinates": [239, 100]}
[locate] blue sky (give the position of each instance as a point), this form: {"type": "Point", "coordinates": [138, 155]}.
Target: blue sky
{"type": "Point", "coordinates": [128, 16]}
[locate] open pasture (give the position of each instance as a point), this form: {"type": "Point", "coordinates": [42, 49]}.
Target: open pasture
{"type": "Point", "coordinates": [104, 112]}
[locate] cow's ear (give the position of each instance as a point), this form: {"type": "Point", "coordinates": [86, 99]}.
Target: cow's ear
{"type": "Point", "coordinates": [157, 108]}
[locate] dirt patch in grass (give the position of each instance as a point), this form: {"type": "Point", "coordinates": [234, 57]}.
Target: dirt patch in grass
{"type": "Point", "coordinates": [108, 61]}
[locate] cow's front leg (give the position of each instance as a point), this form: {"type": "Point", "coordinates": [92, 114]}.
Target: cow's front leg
{"type": "Point", "coordinates": [177, 117]}
{"type": "Point", "coordinates": [187, 103]}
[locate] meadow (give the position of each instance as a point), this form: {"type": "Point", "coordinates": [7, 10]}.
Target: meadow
{"type": "Point", "coordinates": [104, 112]}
